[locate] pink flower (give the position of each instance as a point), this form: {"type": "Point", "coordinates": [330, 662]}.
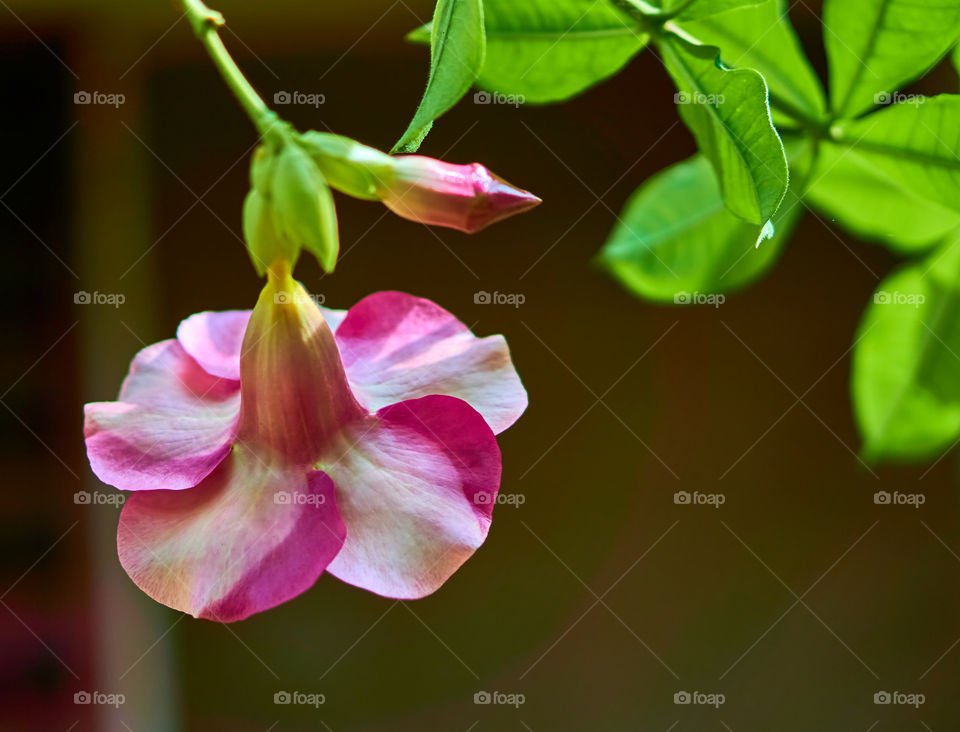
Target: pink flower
{"type": "Point", "coordinates": [263, 449]}
{"type": "Point", "coordinates": [464, 197]}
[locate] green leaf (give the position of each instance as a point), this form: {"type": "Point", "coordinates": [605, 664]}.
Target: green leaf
{"type": "Point", "coordinates": [703, 8]}
{"type": "Point", "coordinates": [551, 50]}
{"type": "Point", "coordinates": [728, 113]}
{"type": "Point", "coordinates": [762, 38]}
{"type": "Point", "coordinates": [676, 236]}
{"type": "Point", "coordinates": [875, 46]}
{"type": "Point", "coordinates": [457, 48]}
{"type": "Point", "coordinates": [849, 188]}
{"type": "Point", "coordinates": [916, 143]}
{"type": "Point", "coordinates": [906, 362]}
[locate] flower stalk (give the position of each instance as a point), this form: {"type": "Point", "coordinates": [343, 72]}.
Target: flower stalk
{"type": "Point", "coordinates": [206, 24]}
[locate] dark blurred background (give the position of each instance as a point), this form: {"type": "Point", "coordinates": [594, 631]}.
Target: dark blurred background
{"type": "Point", "coordinates": [599, 598]}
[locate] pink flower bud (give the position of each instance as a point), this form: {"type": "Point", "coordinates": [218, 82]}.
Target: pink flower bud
{"type": "Point", "coordinates": [464, 197]}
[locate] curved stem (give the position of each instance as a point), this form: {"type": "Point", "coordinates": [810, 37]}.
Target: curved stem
{"type": "Point", "coordinates": [206, 24]}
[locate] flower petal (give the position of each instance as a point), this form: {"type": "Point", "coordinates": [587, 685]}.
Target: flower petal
{"type": "Point", "coordinates": [416, 488]}
{"type": "Point", "coordinates": [170, 429]}
{"type": "Point", "coordinates": [214, 340]}
{"type": "Point", "coordinates": [248, 538]}
{"type": "Point", "coordinates": [396, 347]}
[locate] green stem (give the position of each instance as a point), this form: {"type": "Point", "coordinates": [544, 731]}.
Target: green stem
{"type": "Point", "coordinates": [670, 14]}
{"type": "Point", "coordinates": [817, 127]}
{"type": "Point", "coordinates": [206, 24]}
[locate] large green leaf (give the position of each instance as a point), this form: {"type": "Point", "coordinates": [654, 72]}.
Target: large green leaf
{"type": "Point", "coordinates": [551, 50]}
{"type": "Point", "coordinates": [729, 115]}
{"type": "Point", "coordinates": [762, 38]}
{"type": "Point", "coordinates": [875, 46]}
{"type": "Point", "coordinates": [457, 48]}
{"type": "Point", "coordinates": [849, 188]}
{"type": "Point", "coordinates": [906, 363]}
{"type": "Point", "coordinates": [918, 144]}
{"type": "Point", "coordinates": [676, 236]}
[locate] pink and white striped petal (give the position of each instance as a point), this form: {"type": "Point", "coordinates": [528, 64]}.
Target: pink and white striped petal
{"type": "Point", "coordinates": [396, 347]}
{"type": "Point", "coordinates": [170, 428]}
{"type": "Point", "coordinates": [248, 538]}
{"type": "Point", "coordinates": [416, 486]}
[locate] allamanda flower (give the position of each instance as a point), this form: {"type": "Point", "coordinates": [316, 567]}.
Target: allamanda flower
{"type": "Point", "coordinates": [262, 449]}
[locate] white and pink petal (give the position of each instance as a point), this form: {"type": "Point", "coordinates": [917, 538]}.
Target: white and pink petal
{"type": "Point", "coordinates": [171, 427]}
{"type": "Point", "coordinates": [416, 486]}
{"type": "Point", "coordinates": [214, 340]}
{"type": "Point", "coordinates": [248, 538]}
{"type": "Point", "coordinates": [396, 347]}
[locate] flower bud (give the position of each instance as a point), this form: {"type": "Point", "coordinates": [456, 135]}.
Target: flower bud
{"type": "Point", "coordinates": [303, 209]}
{"type": "Point", "coordinates": [264, 243]}
{"type": "Point", "coordinates": [464, 197]}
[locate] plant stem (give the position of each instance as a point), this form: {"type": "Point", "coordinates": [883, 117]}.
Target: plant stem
{"type": "Point", "coordinates": [669, 14]}
{"type": "Point", "coordinates": [206, 24]}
